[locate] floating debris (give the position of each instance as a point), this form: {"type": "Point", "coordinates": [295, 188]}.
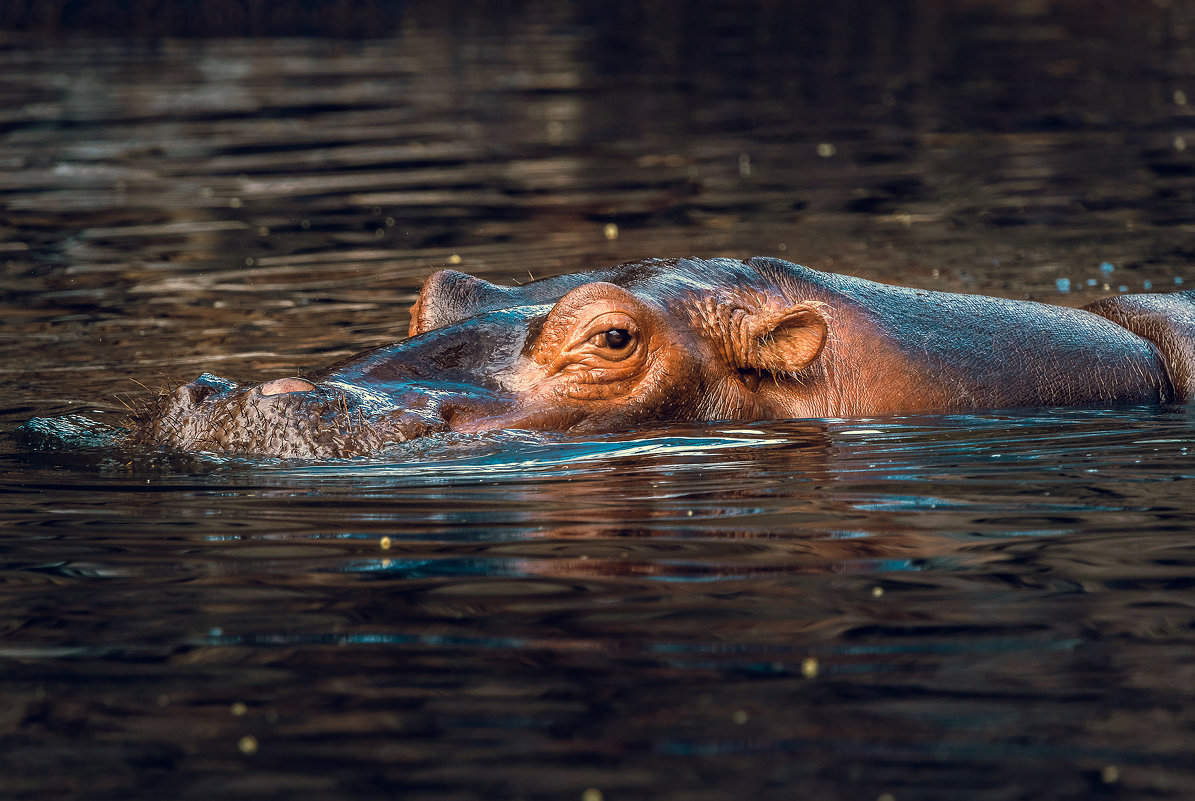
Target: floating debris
{"type": "Point", "coordinates": [1063, 285]}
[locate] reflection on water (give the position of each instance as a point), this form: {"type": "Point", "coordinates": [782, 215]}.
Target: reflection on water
{"type": "Point", "coordinates": [993, 605]}
{"type": "Point", "coordinates": [984, 601]}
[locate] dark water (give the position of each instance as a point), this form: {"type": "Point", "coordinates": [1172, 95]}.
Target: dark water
{"type": "Point", "coordinates": [994, 606]}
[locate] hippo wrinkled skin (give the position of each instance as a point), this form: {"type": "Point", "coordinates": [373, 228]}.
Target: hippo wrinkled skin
{"type": "Point", "coordinates": [689, 340]}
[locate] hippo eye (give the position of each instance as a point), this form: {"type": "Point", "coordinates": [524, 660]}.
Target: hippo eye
{"type": "Point", "coordinates": [614, 339]}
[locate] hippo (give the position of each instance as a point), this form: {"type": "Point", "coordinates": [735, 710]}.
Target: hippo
{"type": "Point", "coordinates": [670, 340]}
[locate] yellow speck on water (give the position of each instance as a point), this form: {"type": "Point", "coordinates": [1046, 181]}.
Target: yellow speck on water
{"type": "Point", "coordinates": [877, 592]}
{"type": "Point", "coordinates": [1180, 143]}
{"type": "Point", "coordinates": [1180, 97]}
{"type": "Point", "coordinates": [592, 794]}
{"type": "Point", "coordinates": [249, 261]}
{"type": "Point", "coordinates": [263, 231]}
{"type": "Point", "coordinates": [809, 667]}
{"type": "Point", "coordinates": [238, 709]}
{"type": "Point", "coordinates": [611, 231]}
{"type": "Point", "coordinates": [454, 259]}
{"type": "Point", "coordinates": [826, 150]}
{"type": "Point", "coordinates": [1110, 774]}
{"type": "Point", "coordinates": [886, 797]}
{"type": "Point", "coordinates": [207, 191]}
{"type": "Point", "coordinates": [381, 232]}
{"type": "Point", "coordinates": [234, 202]}
{"type": "Point", "coordinates": [744, 165]}
{"type": "Point", "coordinates": [247, 745]}
{"type": "Point", "coordinates": [740, 717]}
{"type": "Point", "coordinates": [384, 542]}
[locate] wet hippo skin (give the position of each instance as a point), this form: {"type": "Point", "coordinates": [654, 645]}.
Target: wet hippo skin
{"type": "Point", "coordinates": [689, 340]}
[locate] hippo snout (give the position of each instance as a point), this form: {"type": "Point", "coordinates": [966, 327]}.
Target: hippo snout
{"type": "Point", "coordinates": [290, 417]}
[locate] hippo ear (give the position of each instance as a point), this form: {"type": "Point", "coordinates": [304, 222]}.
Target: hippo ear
{"type": "Point", "coordinates": [787, 340]}
{"type": "Point", "coordinates": [448, 297]}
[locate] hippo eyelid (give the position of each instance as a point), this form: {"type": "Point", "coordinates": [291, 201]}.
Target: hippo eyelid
{"type": "Point", "coordinates": [609, 321]}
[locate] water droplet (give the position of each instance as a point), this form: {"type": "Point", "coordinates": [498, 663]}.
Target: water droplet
{"type": "Point", "coordinates": [744, 165]}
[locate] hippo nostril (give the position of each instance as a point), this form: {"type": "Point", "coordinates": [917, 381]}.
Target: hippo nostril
{"type": "Point", "coordinates": [201, 389]}
{"type": "Point", "coordinates": [281, 386]}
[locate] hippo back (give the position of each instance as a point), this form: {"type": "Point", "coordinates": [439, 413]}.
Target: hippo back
{"type": "Point", "coordinates": [1168, 321]}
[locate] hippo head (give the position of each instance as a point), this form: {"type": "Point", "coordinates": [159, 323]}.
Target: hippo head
{"type": "Point", "coordinates": [606, 350]}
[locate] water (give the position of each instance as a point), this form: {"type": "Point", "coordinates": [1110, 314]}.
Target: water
{"type": "Point", "coordinates": [993, 606]}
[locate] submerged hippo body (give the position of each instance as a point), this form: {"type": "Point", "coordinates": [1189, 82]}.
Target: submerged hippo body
{"type": "Point", "coordinates": [689, 340]}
